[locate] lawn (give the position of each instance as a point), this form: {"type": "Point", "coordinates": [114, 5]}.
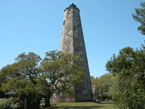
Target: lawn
{"type": "Point", "coordinates": [77, 105]}
{"type": "Point", "coordinates": [83, 105]}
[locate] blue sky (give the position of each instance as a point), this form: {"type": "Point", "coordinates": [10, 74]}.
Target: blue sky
{"type": "Point", "coordinates": [36, 26]}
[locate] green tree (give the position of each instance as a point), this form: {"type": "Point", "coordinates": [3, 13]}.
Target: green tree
{"type": "Point", "coordinates": [2, 79]}
{"type": "Point", "coordinates": [61, 68]}
{"type": "Point", "coordinates": [102, 85]}
{"type": "Point", "coordinates": [92, 78]}
{"type": "Point", "coordinates": [140, 17]}
{"type": "Point", "coordinates": [22, 76]}
{"type": "Point", "coordinates": [34, 77]}
{"type": "Point", "coordinates": [97, 83]}
{"type": "Point", "coordinates": [129, 78]}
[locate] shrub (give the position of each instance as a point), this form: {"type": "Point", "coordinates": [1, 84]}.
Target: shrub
{"type": "Point", "coordinates": [10, 103]}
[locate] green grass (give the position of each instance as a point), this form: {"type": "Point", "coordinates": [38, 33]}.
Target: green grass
{"type": "Point", "coordinates": [83, 105]}
{"type": "Point", "coordinates": [78, 105]}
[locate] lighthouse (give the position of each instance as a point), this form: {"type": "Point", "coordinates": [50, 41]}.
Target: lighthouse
{"type": "Point", "coordinates": [72, 42]}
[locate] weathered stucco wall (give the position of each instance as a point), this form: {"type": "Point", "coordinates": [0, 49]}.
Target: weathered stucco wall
{"type": "Point", "coordinates": [72, 41]}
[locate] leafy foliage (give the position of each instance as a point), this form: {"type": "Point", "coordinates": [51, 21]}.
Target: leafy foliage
{"type": "Point", "coordinates": [32, 76]}
{"type": "Point", "coordinates": [140, 16]}
{"type": "Point", "coordinates": [128, 69]}
{"type": "Point", "coordinates": [102, 85]}
{"type": "Point", "coordinates": [22, 75]}
{"type": "Point", "coordinates": [10, 103]}
{"type": "Point", "coordinates": [92, 78]}
{"type": "Point", "coordinates": [63, 71]}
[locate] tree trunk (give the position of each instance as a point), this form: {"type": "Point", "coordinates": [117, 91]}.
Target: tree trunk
{"type": "Point", "coordinates": [35, 105]}
{"type": "Point", "coordinates": [47, 101]}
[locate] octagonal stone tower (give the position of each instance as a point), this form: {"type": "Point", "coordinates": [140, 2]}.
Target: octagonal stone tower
{"type": "Point", "coordinates": [72, 42]}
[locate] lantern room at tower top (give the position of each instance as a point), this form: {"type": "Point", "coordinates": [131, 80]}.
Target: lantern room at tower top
{"type": "Point", "coordinates": [72, 6]}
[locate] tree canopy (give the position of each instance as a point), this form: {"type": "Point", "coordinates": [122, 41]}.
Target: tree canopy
{"type": "Point", "coordinates": [102, 85]}
{"type": "Point", "coordinates": [92, 78]}
{"type": "Point", "coordinates": [140, 17]}
{"type": "Point", "coordinates": [31, 75]}
{"type": "Point", "coordinates": [129, 78]}
{"type": "Point", "coordinates": [63, 72]}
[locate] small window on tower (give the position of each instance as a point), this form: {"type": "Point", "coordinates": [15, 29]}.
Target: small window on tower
{"type": "Point", "coordinates": [68, 12]}
{"type": "Point", "coordinates": [63, 22]}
